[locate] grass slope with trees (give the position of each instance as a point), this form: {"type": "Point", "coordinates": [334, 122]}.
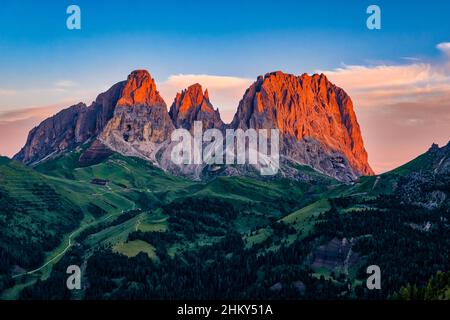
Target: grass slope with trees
{"type": "Point", "coordinates": [147, 235]}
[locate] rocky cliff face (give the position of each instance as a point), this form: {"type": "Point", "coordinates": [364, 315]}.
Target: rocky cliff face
{"type": "Point", "coordinates": [140, 113]}
{"type": "Point", "coordinates": [424, 181]}
{"type": "Point", "coordinates": [192, 104]}
{"type": "Point", "coordinates": [316, 120]}
{"type": "Point", "coordinates": [69, 127]}
{"type": "Point", "coordinates": [141, 124]}
{"type": "Point", "coordinates": [317, 124]}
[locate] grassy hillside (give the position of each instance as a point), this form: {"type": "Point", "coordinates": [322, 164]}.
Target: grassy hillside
{"type": "Point", "coordinates": [34, 216]}
{"type": "Point", "coordinates": [128, 178]}
{"type": "Point", "coordinates": [235, 236]}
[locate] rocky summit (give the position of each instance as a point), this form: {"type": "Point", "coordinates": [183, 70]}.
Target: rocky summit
{"type": "Point", "coordinates": [317, 123]}
{"type": "Point", "coordinates": [315, 118]}
{"type": "Point", "coordinates": [140, 122]}
{"type": "Point", "coordinates": [192, 104]}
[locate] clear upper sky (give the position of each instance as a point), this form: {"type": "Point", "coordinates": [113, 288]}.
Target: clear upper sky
{"type": "Point", "coordinates": [42, 63]}
{"type": "Point", "coordinates": [239, 38]}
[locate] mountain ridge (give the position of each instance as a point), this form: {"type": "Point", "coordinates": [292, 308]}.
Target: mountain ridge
{"type": "Point", "coordinates": [316, 120]}
{"type": "Point", "coordinates": [305, 108]}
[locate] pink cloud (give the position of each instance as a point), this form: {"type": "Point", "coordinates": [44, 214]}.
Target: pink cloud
{"type": "Point", "coordinates": [7, 92]}
{"type": "Point", "coordinates": [402, 109]}
{"type": "Point", "coordinates": [15, 125]}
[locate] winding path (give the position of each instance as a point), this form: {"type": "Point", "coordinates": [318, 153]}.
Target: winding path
{"type": "Point", "coordinates": [51, 260]}
{"type": "Point", "coordinates": [376, 182]}
{"type": "Point", "coordinates": [66, 248]}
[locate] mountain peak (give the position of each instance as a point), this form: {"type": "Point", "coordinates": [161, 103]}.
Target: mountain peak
{"type": "Point", "coordinates": [192, 104]}
{"type": "Point", "coordinates": [275, 73]}
{"type": "Point", "coordinates": [310, 113]}
{"type": "Point", "coordinates": [139, 73]}
{"type": "Point", "coordinates": [193, 96]}
{"type": "Point", "coordinates": [282, 76]}
{"type": "Point", "coordinates": [434, 147]}
{"type": "Point", "coordinates": [140, 89]}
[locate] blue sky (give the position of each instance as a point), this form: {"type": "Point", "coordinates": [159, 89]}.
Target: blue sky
{"type": "Point", "coordinates": [239, 38]}
{"type": "Point", "coordinates": [43, 64]}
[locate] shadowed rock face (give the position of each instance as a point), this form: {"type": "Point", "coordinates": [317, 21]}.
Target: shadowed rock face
{"type": "Point", "coordinates": [425, 179]}
{"type": "Point", "coordinates": [69, 127]}
{"type": "Point", "coordinates": [193, 105]}
{"type": "Point", "coordinates": [96, 153]}
{"type": "Point", "coordinates": [315, 118]}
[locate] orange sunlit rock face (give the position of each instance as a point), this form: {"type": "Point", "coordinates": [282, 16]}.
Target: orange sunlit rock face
{"type": "Point", "coordinates": [192, 104]}
{"type": "Point", "coordinates": [140, 89]}
{"type": "Point", "coordinates": [305, 107]}
{"type": "Point", "coordinates": [140, 114]}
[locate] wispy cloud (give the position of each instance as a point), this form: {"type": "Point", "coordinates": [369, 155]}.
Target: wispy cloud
{"type": "Point", "coordinates": [15, 125]}
{"type": "Point", "coordinates": [7, 92]}
{"type": "Point", "coordinates": [402, 108]}
{"type": "Point", "coordinates": [444, 47]}
{"type": "Point", "coordinates": [65, 84]}
{"type": "Point", "coordinates": [411, 59]}
{"type": "Point", "coordinates": [29, 113]}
